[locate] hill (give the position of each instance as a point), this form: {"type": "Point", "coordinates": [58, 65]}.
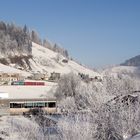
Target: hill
{"type": "Point", "coordinates": [134, 61]}
{"type": "Point", "coordinates": [46, 60]}
{"type": "Point", "coordinates": [22, 49]}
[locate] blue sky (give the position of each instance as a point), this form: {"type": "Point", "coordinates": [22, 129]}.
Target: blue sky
{"type": "Point", "coordinates": [95, 32]}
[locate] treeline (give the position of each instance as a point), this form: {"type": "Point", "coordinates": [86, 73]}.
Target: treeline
{"type": "Point", "coordinates": [55, 48]}
{"type": "Point", "coordinates": [16, 40]}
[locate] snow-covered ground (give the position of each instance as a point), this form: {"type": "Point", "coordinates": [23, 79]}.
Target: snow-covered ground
{"type": "Point", "coordinates": [20, 92]}
{"type": "Point", "coordinates": [8, 69]}
{"type": "Point", "coordinates": [46, 60]}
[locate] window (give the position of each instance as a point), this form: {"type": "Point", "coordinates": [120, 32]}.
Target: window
{"type": "Point", "coordinates": [28, 105]}
{"type": "Point", "coordinates": [16, 105]}
{"type": "Point", "coordinates": [33, 104]}
{"type": "Point", "coordinates": [46, 104]}
{"type": "Point", "coordinates": [39, 104]}
{"type": "Point", "coordinates": [52, 104]}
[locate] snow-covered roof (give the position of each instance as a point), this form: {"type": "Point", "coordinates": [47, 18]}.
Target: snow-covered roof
{"type": "Point", "coordinates": [25, 92]}
{"type": "Point", "coordinates": [3, 95]}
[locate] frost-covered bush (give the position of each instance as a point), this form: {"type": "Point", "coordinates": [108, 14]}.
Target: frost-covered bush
{"type": "Point", "coordinates": [20, 128]}
{"type": "Point", "coordinates": [67, 86]}
{"type": "Point", "coordinates": [76, 127]}
{"type": "Point", "coordinates": [110, 102]}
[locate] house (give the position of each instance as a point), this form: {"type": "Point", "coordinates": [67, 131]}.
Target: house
{"type": "Point", "coordinates": [65, 60]}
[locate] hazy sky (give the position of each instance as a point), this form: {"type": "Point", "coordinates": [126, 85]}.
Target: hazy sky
{"type": "Point", "coordinates": [95, 32]}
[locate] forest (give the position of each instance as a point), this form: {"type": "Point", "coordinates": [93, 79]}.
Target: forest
{"type": "Point", "coordinates": [17, 41]}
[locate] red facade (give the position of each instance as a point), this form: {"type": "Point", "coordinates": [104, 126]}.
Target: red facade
{"type": "Point", "coordinates": [34, 83]}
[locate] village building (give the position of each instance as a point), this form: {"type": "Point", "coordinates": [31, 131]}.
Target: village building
{"type": "Point", "coordinates": [87, 78]}
{"type": "Point", "coordinates": [54, 76]}
{"type": "Point", "coordinates": [9, 77]}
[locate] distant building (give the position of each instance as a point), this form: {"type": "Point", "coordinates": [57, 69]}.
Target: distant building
{"type": "Point", "coordinates": [54, 76]}
{"type": "Point", "coordinates": [87, 78]}
{"type": "Point", "coordinates": [65, 60]}
{"type": "Point", "coordinates": [8, 77]}
{"type": "Point", "coordinates": [39, 76]}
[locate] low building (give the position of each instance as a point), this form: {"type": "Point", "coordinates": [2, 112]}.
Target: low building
{"type": "Point", "coordinates": [8, 77]}
{"type": "Point", "coordinates": [23, 106]}
{"type": "Point", "coordinates": [19, 99]}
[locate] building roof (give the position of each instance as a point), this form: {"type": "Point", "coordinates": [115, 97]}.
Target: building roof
{"type": "Point", "coordinates": [29, 92]}
{"type": "Point", "coordinates": [3, 95]}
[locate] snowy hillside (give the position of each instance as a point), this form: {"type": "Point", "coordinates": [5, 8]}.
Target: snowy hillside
{"type": "Point", "coordinates": [45, 60]}
{"type": "Point", "coordinates": [134, 61]}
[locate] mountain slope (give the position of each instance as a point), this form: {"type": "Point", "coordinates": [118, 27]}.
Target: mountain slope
{"type": "Point", "coordinates": [134, 61]}
{"type": "Point", "coordinates": [44, 60]}
{"type": "Point", "coordinates": [18, 50]}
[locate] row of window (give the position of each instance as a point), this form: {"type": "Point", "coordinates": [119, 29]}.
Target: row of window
{"type": "Point", "coordinates": [33, 105]}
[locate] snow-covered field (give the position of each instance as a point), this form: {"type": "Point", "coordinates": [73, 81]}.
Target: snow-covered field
{"type": "Point", "coordinates": [8, 69]}
{"type": "Point", "coordinates": [20, 92]}
{"type": "Point", "coordinates": [47, 60]}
